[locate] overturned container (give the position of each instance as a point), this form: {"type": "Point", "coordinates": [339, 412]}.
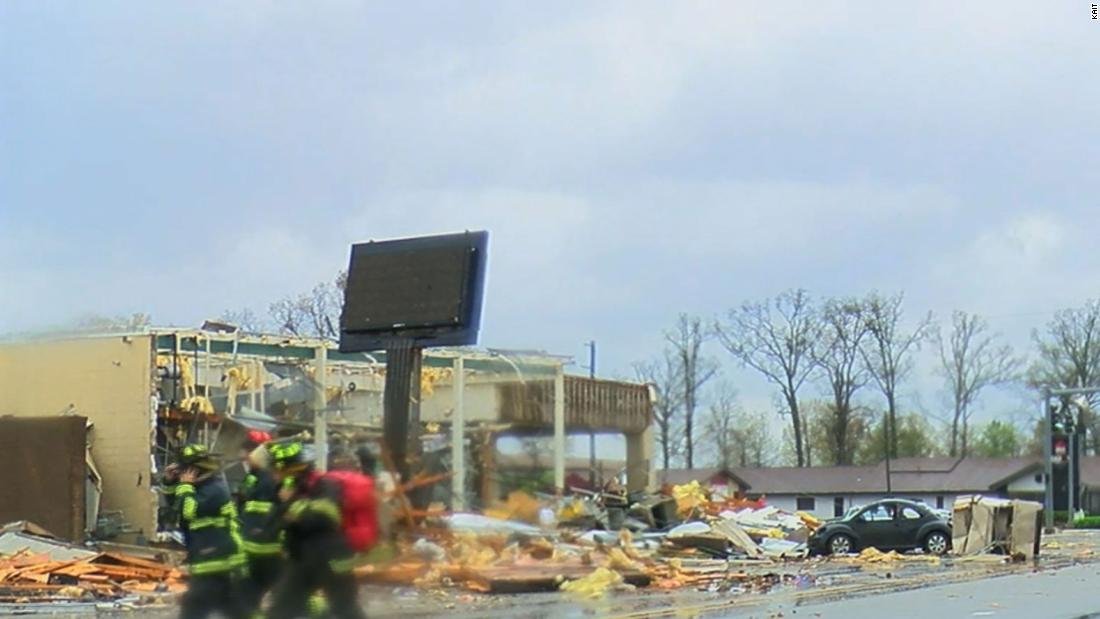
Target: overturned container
{"type": "Point", "coordinates": [987, 525]}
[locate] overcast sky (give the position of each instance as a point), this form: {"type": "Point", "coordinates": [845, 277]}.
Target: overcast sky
{"type": "Point", "coordinates": [631, 160]}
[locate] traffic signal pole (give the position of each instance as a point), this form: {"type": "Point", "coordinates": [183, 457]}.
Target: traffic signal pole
{"type": "Point", "coordinates": [1048, 461]}
{"type": "Point", "coordinates": [1071, 498]}
{"type": "Point", "coordinates": [1048, 450]}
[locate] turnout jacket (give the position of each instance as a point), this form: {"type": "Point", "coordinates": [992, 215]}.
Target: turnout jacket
{"type": "Point", "coordinates": [257, 501]}
{"type": "Point", "coordinates": [208, 519]}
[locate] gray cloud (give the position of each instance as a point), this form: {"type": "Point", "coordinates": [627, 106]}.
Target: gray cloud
{"type": "Point", "coordinates": [631, 160]}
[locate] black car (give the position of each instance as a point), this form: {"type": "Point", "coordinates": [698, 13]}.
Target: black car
{"type": "Point", "coordinates": [892, 524]}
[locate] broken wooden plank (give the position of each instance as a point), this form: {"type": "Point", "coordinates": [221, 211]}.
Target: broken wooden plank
{"type": "Point", "coordinates": [40, 577]}
{"type": "Point", "coordinates": [78, 570]}
{"type": "Point", "coordinates": [395, 574]}
{"type": "Point", "coordinates": [122, 559]}
{"type": "Point", "coordinates": [120, 572]}
{"type": "Point", "coordinates": [531, 579]}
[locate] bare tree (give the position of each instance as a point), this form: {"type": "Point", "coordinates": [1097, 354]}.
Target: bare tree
{"type": "Point", "coordinates": [888, 353]}
{"type": "Point", "coordinates": [245, 319]}
{"type": "Point", "coordinates": [737, 438]}
{"type": "Point", "coordinates": [775, 337]}
{"type": "Point", "coordinates": [971, 361]}
{"type": "Point", "coordinates": [838, 356]}
{"type": "Point", "coordinates": [663, 376]}
{"type": "Point", "coordinates": [315, 313]}
{"type": "Point", "coordinates": [286, 316]}
{"type": "Point", "coordinates": [755, 444]}
{"type": "Point", "coordinates": [786, 450]}
{"type": "Point", "coordinates": [1069, 357]}
{"type": "Point", "coordinates": [808, 413]}
{"type": "Point", "coordinates": [721, 425]}
{"type": "Point", "coordinates": [321, 308]}
{"type": "Point", "coordinates": [686, 340]}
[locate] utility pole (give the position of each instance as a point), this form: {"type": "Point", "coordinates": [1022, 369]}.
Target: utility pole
{"type": "Point", "coordinates": [591, 345]}
{"type": "Point", "coordinates": [559, 430]}
{"type": "Point", "coordinates": [1048, 461]}
{"type": "Point", "coordinates": [320, 408]}
{"type": "Point", "coordinates": [886, 431]}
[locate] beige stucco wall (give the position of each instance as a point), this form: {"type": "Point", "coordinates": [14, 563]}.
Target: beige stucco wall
{"type": "Point", "coordinates": [106, 379]}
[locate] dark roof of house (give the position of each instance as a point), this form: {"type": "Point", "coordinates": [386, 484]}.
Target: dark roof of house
{"type": "Point", "coordinates": [923, 475]}
{"type": "Point", "coordinates": [941, 464]}
{"type": "Point", "coordinates": [906, 475]}
{"type": "Point", "coordinates": [813, 480]}
{"type": "Point", "coordinates": [968, 475]}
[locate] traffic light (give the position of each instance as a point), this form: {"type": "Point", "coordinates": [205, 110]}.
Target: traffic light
{"type": "Point", "coordinates": [1065, 442]}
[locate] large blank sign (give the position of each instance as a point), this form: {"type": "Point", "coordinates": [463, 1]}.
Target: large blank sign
{"type": "Point", "coordinates": [423, 291]}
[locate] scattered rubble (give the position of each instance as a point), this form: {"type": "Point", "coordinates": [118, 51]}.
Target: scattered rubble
{"type": "Point", "coordinates": [874, 555]}
{"type": "Point", "coordinates": [681, 538]}
{"type": "Point", "coordinates": [37, 570]}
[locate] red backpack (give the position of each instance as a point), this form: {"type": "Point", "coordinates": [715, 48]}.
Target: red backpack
{"type": "Point", "coordinates": [359, 510]}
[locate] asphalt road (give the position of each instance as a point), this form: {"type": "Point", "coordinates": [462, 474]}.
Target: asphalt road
{"type": "Point", "coordinates": [1069, 593]}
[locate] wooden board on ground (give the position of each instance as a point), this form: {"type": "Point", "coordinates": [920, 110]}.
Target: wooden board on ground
{"type": "Point", "coordinates": [394, 574]}
{"type": "Point", "coordinates": [531, 579]}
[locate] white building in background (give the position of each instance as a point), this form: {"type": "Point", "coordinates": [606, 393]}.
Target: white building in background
{"type": "Point", "coordinates": [828, 492]}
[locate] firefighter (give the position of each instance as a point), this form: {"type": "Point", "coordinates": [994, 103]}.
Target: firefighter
{"type": "Point", "coordinates": [384, 486]}
{"type": "Point", "coordinates": [257, 497]}
{"type": "Point", "coordinates": [208, 519]}
{"type": "Point", "coordinates": [320, 558]}
{"type": "Point", "coordinates": [367, 462]}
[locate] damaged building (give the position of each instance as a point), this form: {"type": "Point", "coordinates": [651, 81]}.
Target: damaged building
{"type": "Point", "coordinates": [135, 398]}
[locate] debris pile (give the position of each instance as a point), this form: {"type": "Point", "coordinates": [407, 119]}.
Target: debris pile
{"type": "Point", "coordinates": [37, 570]}
{"type": "Point", "coordinates": [590, 543]}
{"type": "Point", "coordinates": [585, 544]}
{"type": "Point", "coordinates": [874, 556]}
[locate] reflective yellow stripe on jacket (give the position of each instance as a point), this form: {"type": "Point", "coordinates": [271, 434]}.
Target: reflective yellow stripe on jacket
{"type": "Point", "coordinates": [262, 548]}
{"type": "Point", "coordinates": [258, 507]}
{"type": "Point", "coordinates": [186, 493]}
{"type": "Point", "coordinates": [203, 523]}
{"type": "Point", "coordinates": [228, 564]}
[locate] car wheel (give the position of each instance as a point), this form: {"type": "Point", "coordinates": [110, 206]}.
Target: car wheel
{"type": "Point", "coordinates": [935, 543]}
{"type": "Point", "coordinates": [841, 544]}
